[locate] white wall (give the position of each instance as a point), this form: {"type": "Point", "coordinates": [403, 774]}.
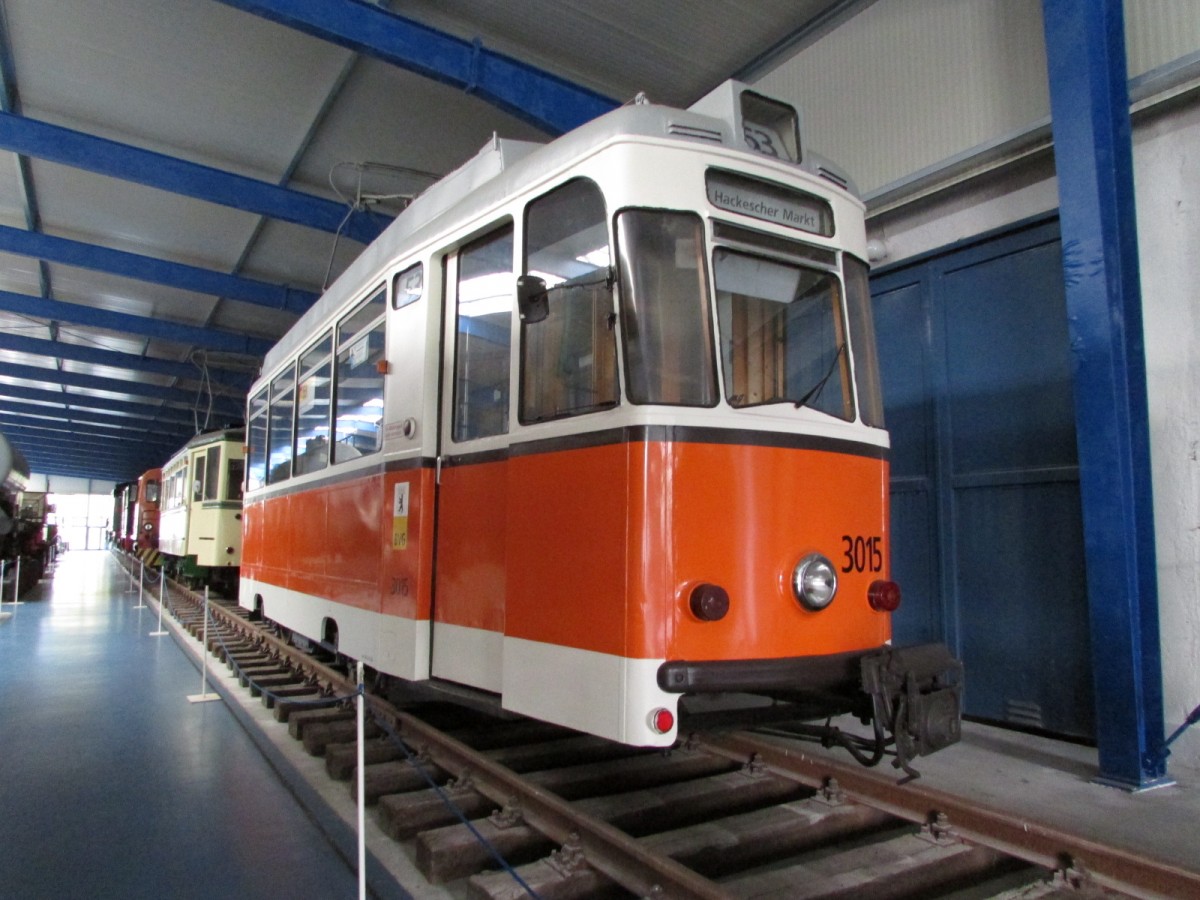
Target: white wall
{"type": "Point", "coordinates": [1167, 181]}
{"type": "Point", "coordinates": [913, 88]}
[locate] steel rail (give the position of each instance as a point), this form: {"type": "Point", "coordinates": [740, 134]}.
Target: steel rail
{"type": "Point", "coordinates": [607, 849]}
{"type": "Point", "coordinates": [1042, 845]}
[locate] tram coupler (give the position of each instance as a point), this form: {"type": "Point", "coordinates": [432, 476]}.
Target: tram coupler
{"type": "Point", "coordinates": [916, 693]}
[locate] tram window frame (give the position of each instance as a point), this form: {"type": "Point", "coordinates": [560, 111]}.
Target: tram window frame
{"type": "Point", "coordinates": [475, 414]}
{"type": "Point", "coordinates": [568, 367]}
{"type": "Point", "coordinates": [199, 462]}
{"type": "Point", "coordinates": [283, 391]}
{"type": "Point", "coordinates": [212, 469]}
{"type": "Point", "coordinates": [408, 286]}
{"type": "Point", "coordinates": [860, 317]}
{"type": "Point", "coordinates": [779, 358]}
{"type": "Point", "coordinates": [314, 455]}
{"type": "Point", "coordinates": [641, 365]}
{"type": "Point", "coordinates": [235, 470]}
{"type": "Point", "coordinates": [357, 330]}
{"type": "Point", "coordinates": [257, 425]}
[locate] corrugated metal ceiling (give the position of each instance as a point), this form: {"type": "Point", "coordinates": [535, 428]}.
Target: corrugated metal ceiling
{"type": "Point", "coordinates": [106, 358]}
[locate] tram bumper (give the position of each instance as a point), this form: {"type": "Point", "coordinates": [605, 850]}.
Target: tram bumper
{"type": "Point", "coordinates": [916, 694]}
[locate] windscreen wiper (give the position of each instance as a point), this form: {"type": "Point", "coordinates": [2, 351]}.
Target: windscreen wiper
{"type": "Point", "coordinates": [816, 388]}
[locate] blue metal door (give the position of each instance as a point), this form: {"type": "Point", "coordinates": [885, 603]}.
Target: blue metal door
{"type": "Point", "coordinates": [987, 535]}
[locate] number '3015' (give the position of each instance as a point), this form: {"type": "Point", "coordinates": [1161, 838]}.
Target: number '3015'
{"type": "Point", "coordinates": [862, 554]}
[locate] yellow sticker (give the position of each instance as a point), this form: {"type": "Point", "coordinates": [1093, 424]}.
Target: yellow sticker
{"type": "Point", "coordinates": [400, 516]}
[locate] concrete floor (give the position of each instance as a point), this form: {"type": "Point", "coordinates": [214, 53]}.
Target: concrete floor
{"type": "Point", "coordinates": [112, 784]}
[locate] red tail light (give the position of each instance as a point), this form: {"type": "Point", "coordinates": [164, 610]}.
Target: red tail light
{"type": "Point", "coordinates": [662, 720]}
{"type": "Point", "coordinates": [884, 596]}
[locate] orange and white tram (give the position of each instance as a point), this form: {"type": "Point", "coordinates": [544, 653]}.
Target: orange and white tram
{"type": "Point", "coordinates": [594, 425]}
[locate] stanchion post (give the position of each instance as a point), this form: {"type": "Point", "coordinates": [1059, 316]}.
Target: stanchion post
{"type": "Point", "coordinates": [129, 590]}
{"type": "Point", "coordinates": [3, 565]}
{"type": "Point", "coordinates": [16, 600]}
{"type": "Point", "coordinates": [362, 792]}
{"type": "Point", "coordinates": [162, 601]}
{"type": "Point", "coordinates": [141, 604]}
{"type": "Point", "coordinates": [204, 696]}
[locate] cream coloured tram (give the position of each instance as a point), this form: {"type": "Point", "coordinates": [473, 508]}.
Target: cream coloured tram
{"type": "Point", "coordinates": [200, 514]}
{"type": "Point", "coordinates": [594, 425]}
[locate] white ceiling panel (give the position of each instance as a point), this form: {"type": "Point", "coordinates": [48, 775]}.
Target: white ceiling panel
{"type": "Point", "coordinates": [193, 77]}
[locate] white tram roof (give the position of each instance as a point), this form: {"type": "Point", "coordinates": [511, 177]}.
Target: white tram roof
{"type": "Point", "coordinates": [477, 185]}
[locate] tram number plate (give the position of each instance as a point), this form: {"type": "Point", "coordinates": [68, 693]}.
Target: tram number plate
{"type": "Point", "coordinates": [862, 554]}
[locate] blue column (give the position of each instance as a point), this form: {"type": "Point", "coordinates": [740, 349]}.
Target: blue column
{"type": "Point", "coordinates": [1089, 100]}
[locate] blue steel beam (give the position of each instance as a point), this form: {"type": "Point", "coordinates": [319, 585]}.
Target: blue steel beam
{"type": "Point", "coordinates": [114, 466]}
{"type": "Point", "coordinates": [56, 433]}
{"type": "Point", "coordinates": [106, 420]}
{"type": "Point", "coordinates": [126, 466]}
{"type": "Point", "coordinates": [114, 358]}
{"type": "Point", "coordinates": [82, 445]}
{"type": "Point", "coordinates": [225, 403]}
{"type": "Point", "coordinates": [156, 271]}
{"type": "Point", "coordinates": [32, 137]}
{"type": "Point", "coordinates": [96, 451]}
{"type": "Point", "coordinates": [546, 101]}
{"type": "Point", "coordinates": [92, 403]}
{"type": "Point", "coordinates": [1089, 100]}
{"type": "Point", "coordinates": [80, 314]}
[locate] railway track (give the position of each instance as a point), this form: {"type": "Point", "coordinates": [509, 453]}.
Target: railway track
{"type": "Point", "coordinates": [722, 815]}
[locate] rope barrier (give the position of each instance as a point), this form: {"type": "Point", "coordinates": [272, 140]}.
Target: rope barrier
{"type": "Point", "coordinates": [414, 761]}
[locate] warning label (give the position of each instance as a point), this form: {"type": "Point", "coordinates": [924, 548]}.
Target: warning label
{"type": "Point", "coordinates": [400, 516]}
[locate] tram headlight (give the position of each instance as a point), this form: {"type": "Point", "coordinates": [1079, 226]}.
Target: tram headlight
{"type": "Point", "coordinates": [814, 581]}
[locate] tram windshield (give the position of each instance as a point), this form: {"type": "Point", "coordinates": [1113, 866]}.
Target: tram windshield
{"type": "Point", "coordinates": [667, 327]}
{"type": "Point", "coordinates": [783, 335]}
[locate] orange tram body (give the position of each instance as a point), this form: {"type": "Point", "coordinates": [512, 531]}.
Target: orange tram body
{"type": "Point", "coordinates": [594, 426]}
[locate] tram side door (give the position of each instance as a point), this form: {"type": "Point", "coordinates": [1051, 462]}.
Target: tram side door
{"type": "Point", "coordinates": [469, 583]}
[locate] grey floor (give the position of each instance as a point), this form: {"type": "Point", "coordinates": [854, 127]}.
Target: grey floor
{"type": "Point", "coordinates": [112, 784]}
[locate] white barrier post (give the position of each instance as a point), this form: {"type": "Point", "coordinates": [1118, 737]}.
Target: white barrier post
{"type": "Point", "coordinates": [362, 792]}
{"type": "Point", "coordinates": [3, 565]}
{"type": "Point", "coordinates": [129, 590]}
{"type": "Point", "coordinates": [162, 601]}
{"type": "Point", "coordinates": [141, 585]}
{"type": "Point", "coordinates": [16, 600]}
{"type": "Point", "coordinates": [204, 696]}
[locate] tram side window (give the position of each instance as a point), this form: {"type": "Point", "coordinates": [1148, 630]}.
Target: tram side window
{"type": "Point", "coordinates": [783, 338]}
{"type": "Point", "coordinates": [666, 323]}
{"type": "Point", "coordinates": [213, 467]}
{"type": "Point", "coordinates": [569, 358]}
{"type": "Point", "coordinates": [862, 333]}
{"type": "Point", "coordinates": [358, 389]}
{"type": "Point", "coordinates": [256, 466]}
{"type": "Point", "coordinates": [313, 393]}
{"type": "Point", "coordinates": [279, 429]}
{"type": "Point", "coordinates": [198, 478]}
{"type": "Point", "coordinates": [483, 326]}
{"type": "Point", "coordinates": [235, 469]}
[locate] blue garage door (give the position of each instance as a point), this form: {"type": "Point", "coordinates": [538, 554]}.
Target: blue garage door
{"type": "Point", "coordinates": [987, 535]}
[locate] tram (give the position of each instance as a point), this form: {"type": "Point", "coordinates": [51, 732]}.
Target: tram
{"type": "Point", "coordinates": [26, 538]}
{"type": "Point", "coordinates": [594, 426]}
{"type": "Point", "coordinates": [200, 514]}
{"type": "Point", "coordinates": [149, 489]}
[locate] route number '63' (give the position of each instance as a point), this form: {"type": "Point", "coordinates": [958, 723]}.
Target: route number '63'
{"type": "Point", "coordinates": [861, 554]}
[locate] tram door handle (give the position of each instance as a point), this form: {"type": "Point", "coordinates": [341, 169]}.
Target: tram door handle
{"type": "Point", "coordinates": [437, 471]}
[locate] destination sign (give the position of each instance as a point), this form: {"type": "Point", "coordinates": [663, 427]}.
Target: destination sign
{"type": "Point", "coordinates": [769, 202]}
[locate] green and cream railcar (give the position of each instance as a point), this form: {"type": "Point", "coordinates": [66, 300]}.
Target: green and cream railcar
{"type": "Point", "coordinates": [200, 529]}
